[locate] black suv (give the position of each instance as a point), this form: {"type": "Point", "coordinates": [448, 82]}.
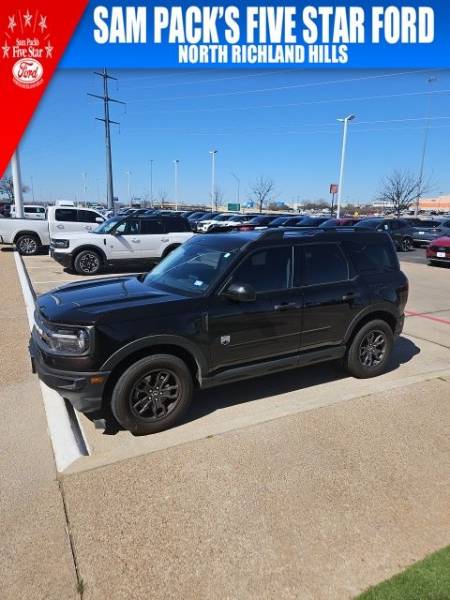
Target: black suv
{"type": "Point", "coordinates": [401, 232]}
{"type": "Point", "coordinates": [220, 308]}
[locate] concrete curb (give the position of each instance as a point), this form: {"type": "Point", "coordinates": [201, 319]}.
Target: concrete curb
{"type": "Point", "coordinates": [67, 436]}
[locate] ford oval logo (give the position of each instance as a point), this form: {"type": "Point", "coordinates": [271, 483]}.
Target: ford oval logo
{"type": "Point", "coordinates": [28, 72]}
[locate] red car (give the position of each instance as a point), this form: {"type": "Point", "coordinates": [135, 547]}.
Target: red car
{"type": "Point", "coordinates": [438, 252]}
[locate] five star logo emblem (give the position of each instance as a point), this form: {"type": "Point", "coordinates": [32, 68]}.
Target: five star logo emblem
{"type": "Point", "coordinates": [6, 50]}
{"type": "Point", "coordinates": [43, 23]}
{"type": "Point", "coordinates": [12, 23]}
{"type": "Point", "coordinates": [27, 18]}
{"type": "Point", "coordinates": [49, 50]}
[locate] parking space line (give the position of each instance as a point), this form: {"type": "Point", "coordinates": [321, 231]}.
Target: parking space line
{"type": "Point", "coordinates": [67, 436]}
{"type": "Point", "coordinates": [410, 313]}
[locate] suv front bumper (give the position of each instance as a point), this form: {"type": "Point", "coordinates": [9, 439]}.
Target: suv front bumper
{"type": "Point", "coordinates": [63, 258]}
{"type": "Point", "coordinates": [83, 390]}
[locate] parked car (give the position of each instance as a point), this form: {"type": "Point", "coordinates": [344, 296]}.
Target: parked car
{"type": "Point", "coordinates": [258, 222]}
{"type": "Point", "coordinates": [311, 221]}
{"type": "Point", "coordinates": [120, 240]}
{"type": "Point", "coordinates": [279, 221]}
{"type": "Point", "coordinates": [219, 309]}
{"type": "Point", "coordinates": [342, 222]}
{"type": "Point", "coordinates": [438, 252]}
{"type": "Point", "coordinates": [198, 216]}
{"type": "Point", "coordinates": [233, 223]}
{"type": "Point", "coordinates": [31, 211]}
{"type": "Point", "coordinates": [31, 236]}
{"type": "Point", "coordinates": [399, 230]}
{"type": "Point", "coordinates": [429, 230]}
{"type": "Point", "coordinates": [208, 223]}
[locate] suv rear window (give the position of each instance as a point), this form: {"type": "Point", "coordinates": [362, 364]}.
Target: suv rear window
{"type": "Point", "coordinates": [372, 257]}
{"type": "Point", "coordinates": [174, 225]}
{"type": "Point", "coordinates": [322, 263]}
{"type": "Point", "coordinates": [66, 214]}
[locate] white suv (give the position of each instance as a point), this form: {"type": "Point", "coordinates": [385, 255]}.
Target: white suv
{"type": "Point", "coordinates": [120, 240]}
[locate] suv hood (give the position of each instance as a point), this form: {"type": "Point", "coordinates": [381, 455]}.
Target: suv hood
{"type": "Point", "coordinates": [104, 300]}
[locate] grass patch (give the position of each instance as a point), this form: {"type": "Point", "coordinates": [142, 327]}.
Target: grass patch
{"type": "Point", "coordinates": [428, 579]}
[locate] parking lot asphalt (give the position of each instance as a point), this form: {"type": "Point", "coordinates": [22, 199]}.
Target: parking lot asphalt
{"type": "Point", "coordinates": [306, 484]}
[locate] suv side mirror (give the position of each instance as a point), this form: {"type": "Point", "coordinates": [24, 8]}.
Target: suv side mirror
{"type": "Point", "coordinates": [240, 292]}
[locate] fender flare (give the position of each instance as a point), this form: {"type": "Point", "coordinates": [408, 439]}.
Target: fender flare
{"type": "Point", "coordinates": [27, 232]}
{"type": "Point", "coordinates": [158, 340]}
{"type": "Point", "coordinates": [374, 309]}
{"type": "Point", "coordinates": [79, 249]}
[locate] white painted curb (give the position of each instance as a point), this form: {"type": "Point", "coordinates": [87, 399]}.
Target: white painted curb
{"type": "Point", "coordinates": [66, 434]}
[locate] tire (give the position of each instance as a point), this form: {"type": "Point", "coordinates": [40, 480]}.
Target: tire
{"type": "Point", "coordinates": [406, 244]}
{"type": "Point", "coordinates": [88, 262]}
{"type": "Point", "coordinates": [168, 250]}
{"type": "Point", "coordinates": [361, 345]}
{"type": "Point", "coordinates": [131, 394]}
{"type": "Point", "coordinates": [27, 244]}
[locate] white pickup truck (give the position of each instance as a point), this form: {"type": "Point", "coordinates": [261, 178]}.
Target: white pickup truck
{"type": "Point", "coordinates": [30, 235]}
{"type": "Point", "coordinates": [120, 240]}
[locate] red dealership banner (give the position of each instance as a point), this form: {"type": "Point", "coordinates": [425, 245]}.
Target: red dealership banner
{"type": "Point", "coordinates": [33, 37]}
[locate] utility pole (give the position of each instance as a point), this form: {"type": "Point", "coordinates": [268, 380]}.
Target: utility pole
{"type": "Point", "coordinates": [17, 184]}
{"type": "Point", "coordinates": [151, 181]}
{"type": "Point", "coordinates": [128, 174]}
{"type": "Point", "coordinates": [213, 177]}
{"type": "Point", "coordinates": [431, 80]}
{"type": "Point", "coordinates": [84, 176]}
{"type": "Point", "coordinates": [346, 121]}
{"type": "Point", "coordinates": [176, 164]}
{"type": "Point", "coordinates": [238, 181]}
{"type": "Point", "coordinates": [107, 121]}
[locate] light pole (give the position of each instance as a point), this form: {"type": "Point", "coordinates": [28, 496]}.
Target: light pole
{"type": "Point", "coordinates": [346, 121]}
{"type": "Point", "coordinates": [84, 176]}
{"type": "Point", "coordinates": [176, 164]}
{"type": "Point", "coordinates": [17, 184]}
{"type": "Point", "coordinates": [213, 177]}
{"type": "Point", "coordinates": [128, 174]}
{"type": "Point", "coordinates": [151, 182]}
{"type": "Point", "coordinates": [430, 80]}
{"type": "Point", "coordinates": [238, 181]}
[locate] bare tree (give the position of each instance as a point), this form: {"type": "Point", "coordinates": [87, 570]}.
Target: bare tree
{"type": "Point", "coordinates": [218, 198]}
{"type": "Point", "coordinates": [162, 197]}
{"type": "Point", "coordinates": [7, 188]}
{"type": "Point", "coordinates": [262, 191]}
{"type": "Point", "coordinates": [401, 189]}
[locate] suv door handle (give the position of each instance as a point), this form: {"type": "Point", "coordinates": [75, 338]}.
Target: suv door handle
{"type": "Point", "coordinates": [60, 226]}
{"type": "Point", "coordinates": [135, 240]}
{"type": "Point", "coordinates": [165, 239]}
{"type": "Point", "coordinates": [349, 296]}
{"type": "Point", "coordinates": [285, 306]}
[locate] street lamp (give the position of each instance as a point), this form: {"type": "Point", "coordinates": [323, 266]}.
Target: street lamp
{"type": "Point", "coordinates": [128, 174]}
{"type": "Point", "coordinates": [151, 181]}
{"type": "Point", "coordinates": [213, 177]}
{"type": "Point", "coordinates": [238, 181]}
{"type": "Point", "coordinates": [430, 80]}
{"type": "Point", "coordinates": [176, 164]}
{"type": "Point", "coordinates": [346, 121]}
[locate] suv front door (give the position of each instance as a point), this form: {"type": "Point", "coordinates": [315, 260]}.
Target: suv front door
{"type": "Point", "coordinates": [327, 292]}
{"type": "Point", "coordinates": [269, 326]}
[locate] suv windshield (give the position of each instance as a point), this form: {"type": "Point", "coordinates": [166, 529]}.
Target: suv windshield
{"type": "Point", "coordinates": [108, 225]}
{"type": "Point", "coordinates": [191, 268]}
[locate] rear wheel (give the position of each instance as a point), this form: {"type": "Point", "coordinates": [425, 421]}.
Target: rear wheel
{"type": "Point", "coordinates": [153, 394]}
{"type": "Point", "coordinates": [370, 350]}
{"type": "Point", "coordinates": [27, 244]}
{"type": "Point", "coordinates": [88, 262]}
{"type": "Point", "coordinates": [406, 244]}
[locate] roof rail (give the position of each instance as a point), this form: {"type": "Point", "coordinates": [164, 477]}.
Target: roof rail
{"type": "Point", "coordinates": [279, 232]}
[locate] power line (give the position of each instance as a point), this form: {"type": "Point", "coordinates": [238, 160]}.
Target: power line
{"type": "Point", "coordinates": [107, 121]}
{"type": "Point", "coordinates": [286, 87]}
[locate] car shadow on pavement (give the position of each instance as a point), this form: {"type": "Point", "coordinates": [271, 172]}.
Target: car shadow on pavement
{"type": "Point", "coordinates": [224, 396]}
{"type": "Point", "coordinates": [207, 401]}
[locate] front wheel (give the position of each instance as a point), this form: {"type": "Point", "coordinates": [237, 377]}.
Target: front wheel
{"type": "Point", "coordinates": [370, 351]}
{"type": "Point", "coordinates": [27, 245]}
{"type": "Point", "coordinates": [87, 262]}
{"type": "Point", "coordinates": [406, 245]}
{"type": "Point", "coordinates": [153, 394]}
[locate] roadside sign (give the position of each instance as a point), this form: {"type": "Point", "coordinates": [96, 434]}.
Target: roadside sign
{"type": "Point", "coordinates": [334, 188]}
{"type": "Point", "coordinates": [234, 207]}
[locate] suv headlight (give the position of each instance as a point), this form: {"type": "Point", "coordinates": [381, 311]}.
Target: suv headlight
{"type": "Point", "coordinates": [60, 243]}
{"type": "Point", "coordinates": [61, 339]}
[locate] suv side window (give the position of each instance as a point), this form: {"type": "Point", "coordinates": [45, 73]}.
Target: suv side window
{"type": "Point", "coordinates": [86, 216]}
{"type": "Point", "coordinates": [266, 270]}
{"type": "Point", "coordinates": [322, 263]}
{"type": "Point", "coordinates": [374, 257]}
{"type": "Point", "coordinates": [151, 226]}
{"type": "Point", "coordinates": [175, 225]}
{"type": "Point", "coordinates": [66, 214]}
{"type": "Point", "coordinates": [129, 227]}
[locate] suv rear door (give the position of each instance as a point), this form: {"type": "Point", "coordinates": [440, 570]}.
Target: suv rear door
{"type": "Point", "coordinates": [325, 286]}
{"type": "Point", "coordinates": [268, 327]}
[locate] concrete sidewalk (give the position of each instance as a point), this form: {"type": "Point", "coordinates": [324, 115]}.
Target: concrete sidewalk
{"type": "Point", "coordinates": [35, 554]}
